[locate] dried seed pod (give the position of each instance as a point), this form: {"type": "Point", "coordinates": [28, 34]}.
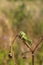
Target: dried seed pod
{"type": "Point", "coordinates": [10, 55]}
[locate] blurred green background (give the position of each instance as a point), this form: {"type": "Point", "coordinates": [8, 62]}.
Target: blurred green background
{"type": "Point", "coordinates": [16, 16]}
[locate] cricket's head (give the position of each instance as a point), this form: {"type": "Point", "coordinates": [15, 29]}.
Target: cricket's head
{"type": "Point", "coordinates": [21, 33]}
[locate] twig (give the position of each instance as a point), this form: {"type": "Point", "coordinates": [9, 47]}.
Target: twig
{"type": "Point", "coordinates": [39, 42]}
{"type": "Point", "coordinates": [27, 45]}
